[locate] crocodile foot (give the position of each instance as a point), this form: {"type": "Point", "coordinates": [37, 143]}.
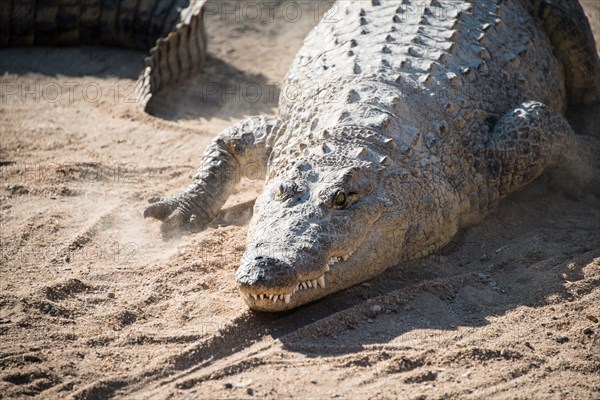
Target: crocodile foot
{"type": "Point", "coordinates": [177, 215]}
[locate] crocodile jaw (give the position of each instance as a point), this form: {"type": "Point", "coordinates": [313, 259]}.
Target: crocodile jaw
{"type": "Point", "coordinates": [303, 292]}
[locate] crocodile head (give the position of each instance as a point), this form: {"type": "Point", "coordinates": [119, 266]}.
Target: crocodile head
{"type": "Point", "coordinates": [319, 226]}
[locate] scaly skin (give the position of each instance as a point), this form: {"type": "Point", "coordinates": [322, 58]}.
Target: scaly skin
{"type": "Point", "coordinates": [409, 122]}
{"type": "Point", "coordinates": [173, 30]}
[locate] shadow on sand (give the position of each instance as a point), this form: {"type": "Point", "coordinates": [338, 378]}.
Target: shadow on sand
{"type": "Point", "coordinates": [219, 91]}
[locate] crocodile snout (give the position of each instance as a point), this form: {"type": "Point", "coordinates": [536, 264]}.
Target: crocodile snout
{"type": "Point", "coordinates": [266, 275]}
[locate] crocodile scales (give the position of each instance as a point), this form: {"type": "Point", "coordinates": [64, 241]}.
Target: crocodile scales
{"type": "Point", "coordinates": [172, 30]}
{"type": "Point", "coordinates": [400, 123]}
{"type": "Point", "coordinates": [432, 113]}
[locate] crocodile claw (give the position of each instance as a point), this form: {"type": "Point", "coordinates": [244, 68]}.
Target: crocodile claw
{"type": "Point", "coordinates": [175, 215]}
{"type": "Point", "coordinates": [160, 209]}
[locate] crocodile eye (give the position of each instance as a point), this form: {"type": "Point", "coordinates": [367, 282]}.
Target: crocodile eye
{"type": "Point", "coordinates": [340, 199]}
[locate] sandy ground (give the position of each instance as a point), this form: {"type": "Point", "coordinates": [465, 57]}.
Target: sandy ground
{"type": "Point", "coordinates": [94, 304]}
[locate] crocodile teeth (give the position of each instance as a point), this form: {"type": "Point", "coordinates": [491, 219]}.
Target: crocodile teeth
{"type": "Point", "coordinates": [321, 281]}
{"type": "Point", "coordinates": [327, 267]}
{"type": "Point", "coordinates": [287, 297]}
{"type": "Point", "coordinates": [332, 261]}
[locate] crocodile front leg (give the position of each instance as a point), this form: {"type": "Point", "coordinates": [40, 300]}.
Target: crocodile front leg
{"type": "Point", "coordinates": [528, 139]}
{"type": "Point", "coordinates": [523, 143]}
{"type": "Point", "coordinates": [239, 151]}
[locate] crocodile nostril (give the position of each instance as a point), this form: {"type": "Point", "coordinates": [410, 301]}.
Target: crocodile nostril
{"type": "Point", "coordinates": [266, 273]}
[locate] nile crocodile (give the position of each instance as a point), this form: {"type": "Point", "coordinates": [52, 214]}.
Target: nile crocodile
{"type": "Point", "coordinates": [172, 30]}
{"type": "Point", "coordinates": [409, 121]}
{"type": "Point", "coordinates": [400, 123]}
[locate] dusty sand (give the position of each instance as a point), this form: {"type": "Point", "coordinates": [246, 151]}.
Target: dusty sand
{"type": "Point", "coordinates": [94, 304]}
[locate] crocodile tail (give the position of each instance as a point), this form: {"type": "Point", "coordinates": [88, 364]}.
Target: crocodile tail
{"type": "Point", "coordinates": [173, 30]}
{"type": "Point", "coordinates": [569, 31]}
{"type": "Point", "coordinates": [177, 54]}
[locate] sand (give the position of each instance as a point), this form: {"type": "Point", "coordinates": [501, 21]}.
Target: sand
{"type": "Point", "coordinates": [94, 304]}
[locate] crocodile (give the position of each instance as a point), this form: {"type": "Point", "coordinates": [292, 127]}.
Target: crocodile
{"type": "Point", "coordinates": [172, 30]}
{"type": "Point", "coordinates": [400, 123]}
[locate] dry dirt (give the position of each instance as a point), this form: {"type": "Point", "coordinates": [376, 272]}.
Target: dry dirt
{"type": "Point", "coordinates": [94, 304]}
